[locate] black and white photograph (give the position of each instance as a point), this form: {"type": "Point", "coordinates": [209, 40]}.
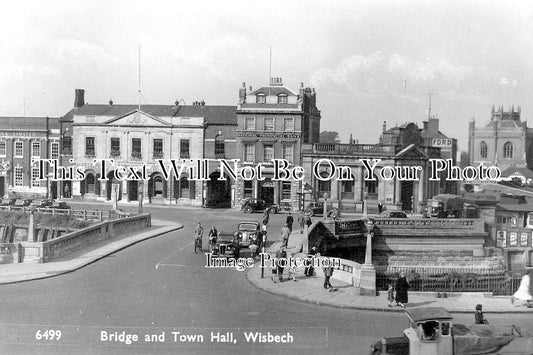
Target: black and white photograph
{"type": "Point", "coordinates": [275, 177]}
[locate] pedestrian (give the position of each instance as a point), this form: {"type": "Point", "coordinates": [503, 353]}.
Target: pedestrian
{"type": "Point", "coordinates": [280, 254]}
{"type": "Point", "coordinates": [390, 295]}
{"type": "Point", "coordinates": [380, 207]}
{"type": "Point", "coordinates": [309, 269]}
{"type": "Point", "coordinates": [285, 233]}
{"type": "Point", "coordinates": [524, 292]}
{"type": "Point", "coordinates": [212, 237]}
{"type": "Point", "coordinates": [479, 317]}
{"type": "Point", "coordinates": [292, 270]}
{"type": "Point", "coordinates": [328, 272]}
{"type": "Point", "coordinates": [301, 220]}
{"type": "Point", "coordinates": [290, 221]}
{"type": "Point", "coordinates": [401, 290]}
{"type": "Point", "coordinates": [266, 216]}
{"type": "Point", "coordinates": [67, 191]}
{"type": "Point", "coordinates": [307, 220]}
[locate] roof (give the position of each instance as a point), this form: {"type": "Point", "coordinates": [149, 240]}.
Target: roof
{"type": "Point", "coordinates": [212, 114]}
{"type": "Point", "coordinates": [268, 106]}
{"type": "Point", "coordinates": [428, 313]}
{"type": "Point", "coordinates": [273, 90]}
{"type": "Point", "coordinates": [525, 172]}
{"type": "Point", "coordinates": [27, 123]}
{"type": "Point", "coordinates": [515, 208]}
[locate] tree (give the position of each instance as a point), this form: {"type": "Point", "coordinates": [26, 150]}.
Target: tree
{"type": "Point", "coordinates": [329, 137]}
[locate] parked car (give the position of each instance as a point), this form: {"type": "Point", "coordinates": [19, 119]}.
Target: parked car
{"type": "Point", "coordinates": [393, 214]}
{"type": "Point", "coordinates": [23, 203]}
{"type": "Point", "coordinates": [249, 233]}
{"type": "Point", "coordinates": [227, 246]}
{"type": "Point", "coordinates": [60, 206]}
{"type": "Point", "coordinates": [316, 208]}
{"type": "Point", "coordinates": [256, 205]}
{"type": "Point", "coordinates": [41, 203]}
{"type": "Point", "coordinates": [8, 202]}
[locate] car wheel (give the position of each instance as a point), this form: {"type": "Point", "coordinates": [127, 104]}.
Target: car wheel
{"type": "Point", "coordinates": [248, 210]}
{"type": "Point", "coordinates": [273, 210]}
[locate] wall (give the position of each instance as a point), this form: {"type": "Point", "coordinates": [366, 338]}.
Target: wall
{"type": "Point", "coordinates": [46, 251]}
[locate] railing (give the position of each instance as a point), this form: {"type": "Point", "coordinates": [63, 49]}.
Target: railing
{"type": "Point", "coordinates": [430, 223]}
{"type": "Point", "coordinates": [354, 149]}
{"type": "Point", "coordinates": [498, 282]}
{"type": "Point", "coordinates": [86, 215]}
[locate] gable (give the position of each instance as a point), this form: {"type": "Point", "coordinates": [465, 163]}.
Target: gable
{"type": "Point", "coordinates": [137, 118]}
{"type": "Point", "coordinates": [411, 152]}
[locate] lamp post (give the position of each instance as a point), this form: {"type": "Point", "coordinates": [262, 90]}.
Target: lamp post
{"type": "Point", "coordinates": [367, 281]}
{"type": "Point", "coordinates": [140, 198]}
{"type": "Point", "coordinates": [325, 212]}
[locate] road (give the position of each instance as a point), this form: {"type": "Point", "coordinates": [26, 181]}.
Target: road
{"type": "Point", "coordinates": [160, 288]}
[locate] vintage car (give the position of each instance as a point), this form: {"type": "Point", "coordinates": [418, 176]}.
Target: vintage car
{"type": "Point", "coordinates": [256, 205]}
{"type": "Point", "coordinates": [249, 232]}
{"type": "Point", "coordinates": [41, 203]}
{"type": "Point", "coordinates": [317, 209]}
{"type": "Point", "coordinates": [22, 203]}
{"type": "Point", "coordinates": [431, 332]}
{"type": "Point", "coordinates": [8, 202]}
{"type": "Point", "coordinates": [393, 214]}
{"type": "Point", "coordinates": [60, 206]}
{"type": "Point", "coordinates": [226, 246]}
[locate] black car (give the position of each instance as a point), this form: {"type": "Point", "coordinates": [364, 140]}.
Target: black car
{"type": "Point", "coordinates": [8, 202]}
{"type": "Point", "coordinates": [60, 206]}
{"type": "Point", "coordinates": [314, 209]}
{"type": "Point", "coordinates": [41, 203]}
{"type": "Point", "coordinates": [23, 203]}
{"type": "Point", "coordinates": [226, 246]}
{"type": "Point", "coordinates": [393, 214]}
{"type": "Point", "coordinates": [257, 205]}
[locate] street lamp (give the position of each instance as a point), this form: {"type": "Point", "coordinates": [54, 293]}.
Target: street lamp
{"type": "Point", "coordinates": [62, 151]}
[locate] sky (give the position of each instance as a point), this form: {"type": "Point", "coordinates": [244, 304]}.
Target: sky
{"type": "Point", "coordinates": [369, 61]}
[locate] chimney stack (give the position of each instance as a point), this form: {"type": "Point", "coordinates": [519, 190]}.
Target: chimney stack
{"type": "Point", "coordinates": [79, 97]}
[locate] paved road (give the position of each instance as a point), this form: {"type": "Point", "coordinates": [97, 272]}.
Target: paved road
{"type": "Point", "coordinates": [126, 292]}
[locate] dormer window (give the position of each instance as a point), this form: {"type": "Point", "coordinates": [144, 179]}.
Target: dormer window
{"type": "Point", "coordinates": [282, 99]}
{"type": "Point", "coordinates": [261, 98]}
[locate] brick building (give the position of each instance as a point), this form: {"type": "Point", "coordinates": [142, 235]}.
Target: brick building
{"type": "Point", "coordinates": [21, 140]}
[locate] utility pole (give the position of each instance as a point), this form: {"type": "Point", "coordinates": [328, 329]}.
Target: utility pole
{"type": "Point", "coordinates": [429, 107]}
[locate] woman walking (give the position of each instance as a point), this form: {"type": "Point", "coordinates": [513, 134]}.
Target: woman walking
{"type": "Point", "coordinates": [524, 291]}
{"type": "Point", "coordinates": [401, 290]}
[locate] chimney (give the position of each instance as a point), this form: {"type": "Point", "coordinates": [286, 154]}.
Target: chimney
{"type": "Point", "coordinates": [110, 102]}
{"type": "Point", "coordinates": [384, 126]}
{"type": "Point", "coordinates": [79, 99]}
{"type": "Point", "coordinates": [242, 93]}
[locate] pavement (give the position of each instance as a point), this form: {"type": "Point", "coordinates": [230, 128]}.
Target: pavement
{"type": "Point", "coordinates": [13, 273]}
{"type": "Point", "coordinates": [311, 290]}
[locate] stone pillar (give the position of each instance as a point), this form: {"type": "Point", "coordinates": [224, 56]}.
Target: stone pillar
{"type": "Point", "coordinates": [367, 282]}
{"type": "Point", "coordinates": [31, 228]}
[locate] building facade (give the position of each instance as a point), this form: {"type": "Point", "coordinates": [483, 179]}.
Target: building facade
{"type": "Point", "coordinates": [23, 139]}
{"type": "Point", "coordinates": [132, 140]}
{"type": "Point", "coordinates": [272, 123]}
{"type": "Point", "coordinates": [504, 142]}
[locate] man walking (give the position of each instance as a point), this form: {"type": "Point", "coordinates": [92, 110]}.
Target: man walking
{"type": "Point", "coordinates": [285, 233]}
{"type": "Point", "coordinates": [301, 221]}
{"type": "Point", "coordinates": [289, 221]}
{"type": "Point", "coordinates": [328, 272]}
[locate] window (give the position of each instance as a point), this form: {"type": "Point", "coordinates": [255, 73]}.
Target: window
{"type": "Point", "coordinates": [282, 99]}
{"type": "Point", "coordinates": [483, 150]}
{"type": "Point", "coordinates": [184, 149]}
{"type": "Point", "coordinates": [158, 148]}
{"type": "Point", "coordinates": [286, 190]}
{"type": "Point", "coordinates": [3, 149]}
{"type": "Point", "coordinates": [35, 177]}
{"type": "Point", "coordinates": [220, 147]}
{"type": "Point", "coordinates": [288, 124]}
{"type": "Point", "coordinates": [67, 145]}
{"type": "Point", "coordinates": [324, 186]}
{"type": "Point", "coordinates": [249, 152]}
{"type": "Point", "coordinates": [18, 176]}
{"type": "Point", "coordinates": [347, 192]}
{"type": "Point", "coordinates": [288, 151]}
{"type": "Point", "coordinates": [54, 150]}
{"type": "Point", "coordinates": [35, 149]}
{"type": "Point", "coordinates": [18, 149]}
{"type": "Point", "coordinates": [115, 147]}
{"type": "Point", "coordinates": [89, 146]}
{"type": "Point", "coordinates": [136, 148]}
{"type": "Point", "coordinates": [248, 189]}
{"type": "Point", "coordinates": [260, 98]}
{"type": "Point", "coordinates": [508, 150]}
{"type": "Point", "coordinates": [268, 152]}
{"type": "Point", "coordinates": [268, 124]}
{"type": "Point", "coordinates": [249, 124]}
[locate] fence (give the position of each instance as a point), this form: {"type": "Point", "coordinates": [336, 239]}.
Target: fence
{"type": "Point", "coordinates": [85, 215]}
{"type": "Point", "coordinates": [499, 282]}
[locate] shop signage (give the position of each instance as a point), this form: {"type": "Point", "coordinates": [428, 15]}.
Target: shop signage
{"type": "Point", "coordinates": [269, 135]}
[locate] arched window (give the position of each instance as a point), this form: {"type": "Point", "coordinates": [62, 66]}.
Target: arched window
{"type": "Point", "coordinates": [483, 149]}
{"type": "Point", "coordinates": [508, 150]}
{"type": "Point", "coordinates": [220, 147]}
